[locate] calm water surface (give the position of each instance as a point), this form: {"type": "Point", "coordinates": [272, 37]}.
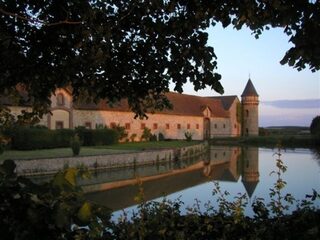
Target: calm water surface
{"type": "Point", "coordinates": [238, 170]}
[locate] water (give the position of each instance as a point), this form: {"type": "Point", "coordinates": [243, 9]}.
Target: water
{"type": "Point", "coordinates": [237, 170]}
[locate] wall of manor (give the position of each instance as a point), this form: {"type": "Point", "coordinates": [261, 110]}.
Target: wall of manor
{"type": "Point", "coordinates": [219, 127]}
{"type": "Point", "coordinates": [171, 126]}
{"type": "Point", "coordinates": [16, 111]}
{"type": "Point", "coordinates": [235, 125]}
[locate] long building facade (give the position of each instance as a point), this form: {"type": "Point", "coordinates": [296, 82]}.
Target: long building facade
{"type": "Point", "coordinates": [203, 117]}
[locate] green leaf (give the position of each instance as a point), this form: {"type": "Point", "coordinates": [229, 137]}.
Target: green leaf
{"type": "Point", "coordinates": [85, 212]}
{"type": "Point", "coordinates": [71, 176]}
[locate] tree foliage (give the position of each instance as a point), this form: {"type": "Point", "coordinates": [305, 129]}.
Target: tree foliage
{"type": "Point", "coordinates": [53, 210]}
{"type": "Point", "coordinates": [132, 49]}
{"type": "Point", "coordinates": [315, 127]}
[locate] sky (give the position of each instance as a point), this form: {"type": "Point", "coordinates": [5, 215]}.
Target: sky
{"type": "Point", "coordinates": [240, 55]}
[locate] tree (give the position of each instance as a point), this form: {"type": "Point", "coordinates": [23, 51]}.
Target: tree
{"type": "Point", "coordinates": [133, 48]}
{"type": "Point", "coordinates": [315, 127]}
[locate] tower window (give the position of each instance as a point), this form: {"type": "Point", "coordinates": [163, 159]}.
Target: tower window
{"type": "Point", "coordinates": [179, 126]}
{"type": "Point", "coordinates": [59, 124]}
{"type": "Point", "coordinates": [167, 126]}
{"type": "Point", "coordinates": [60, 99]}
{"type": "Point", "coordinates": [87, 125]}
{"type": "Point", "coordinates": [155, 126]}
{"type": "Point", "coordinates": [215, 125]}
{"type": "Point", "coordinates": [143, 126]}
{"type": "Point", "coordinates": [197, 126]}
{"type": "Point", "coordinates": [247, 112]}
{"type": "Point", "coordinates": [188, 126]}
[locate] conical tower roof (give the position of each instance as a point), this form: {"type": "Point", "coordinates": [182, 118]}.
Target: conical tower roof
{"type": "Point", "coordinates": [250, 187]}
{"type": "Point", "coordinates": [249, 90]}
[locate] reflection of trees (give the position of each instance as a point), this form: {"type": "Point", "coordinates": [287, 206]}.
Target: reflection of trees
{"type": "Point", "coordinates": [316, 154]}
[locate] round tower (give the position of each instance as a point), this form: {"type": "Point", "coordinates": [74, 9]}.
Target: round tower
{"type": "Point", "coordinates": [250, 112]}
{"type": "Point", "coordinates": [250, 169]}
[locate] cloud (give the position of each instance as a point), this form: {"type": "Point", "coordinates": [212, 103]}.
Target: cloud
{"type": "Point", "coordinates": [306, 103]}
{"type": "Point", "coordinates": [288, 112]}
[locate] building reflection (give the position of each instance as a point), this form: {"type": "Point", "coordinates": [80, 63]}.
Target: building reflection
{"type": "Point", "coordinates": [117, 188]}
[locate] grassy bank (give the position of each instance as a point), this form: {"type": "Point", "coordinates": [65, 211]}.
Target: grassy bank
{"type": "Point", "coordinates": [287, 141]}
{"type": "Point", "coordinates": [96, 150]}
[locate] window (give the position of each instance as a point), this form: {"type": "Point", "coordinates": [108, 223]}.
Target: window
{"type": "Point", "coordinates": [235, 126]}
{"type": "Point", "coordinates": [188, 126]}
{"type": "Point", "coordinates": [167, 126]}
{"type": "Point", "coordinates": [178, 126]}
{"type": "Point", "coordinates": [247, 113]}
{"type": "Point", "coordinates": [60, 99]}
{"type": "Point", "coordinates": [127, 126]}
{"type": "Point", "coordinates": [59, 124]}
{"type": "Point", "coordinates": [113, 125]}
{"type": "Point", "coordinates": [143, 126]}
{"type": "Point", "coordinates": [197, 126]}
{"type": "Point", "coordinates": [155, 126]}
{"type": "Point", "coordinates": [215, 125]}
{"type": "Point", "coordinates": [224, 126]}
{"type": "Point", "coordinates": [87, 125]}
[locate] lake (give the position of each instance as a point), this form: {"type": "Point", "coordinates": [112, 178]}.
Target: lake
{"type": "Point", "coordinates": [235, 169]}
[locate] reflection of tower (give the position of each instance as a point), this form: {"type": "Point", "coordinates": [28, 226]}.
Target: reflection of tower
{"type": "Point", "coordinates": [250, 102]}
{"type": "Point", "coordinates": [250, 169]}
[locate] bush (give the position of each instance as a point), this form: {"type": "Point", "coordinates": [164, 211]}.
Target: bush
{"type": "Point", "coordinates": [75, 145]}
{"type": "Point", "coordinates": [188, 136]}
{"type": "Point", "coordinates": [1, 148]}
{"type": "Point", "coordinates": [153, 138]}
{"type": "Point", "coordinates": [146, 134]}
{"type": "Point", "coordinates": [133, 137]}
{"type": "Point", "coordinates": [122, 133]}
{"type": "Point", "coordinates": [95, 137]}
{"type": "Point", "coordinates": [27, 138]}
{"type": "Point", "coordinates": [161, 137]}
{"type": "Point", "coordinates": [104, 136]}
{"type": "Point", "coordinates": [315, 128]}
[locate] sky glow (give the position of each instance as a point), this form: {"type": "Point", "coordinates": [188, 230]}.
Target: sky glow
{"type": "Point", "coordinates": [240, 55]}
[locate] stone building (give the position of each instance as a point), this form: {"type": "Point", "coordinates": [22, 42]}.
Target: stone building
{"type": "Point", "coordinates": [203, 117]}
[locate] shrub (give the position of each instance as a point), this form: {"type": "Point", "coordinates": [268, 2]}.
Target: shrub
{"type": "Point", "coordinates": [153, 138]}
{"type": "Point", "coordinates": [122, 133]}
{"type": "Point", "coordinates": [75, 145]}
{"type": "Point", "coordinates": [315, 128]}
{"type": "Point", "coordinates": [188, 136]}
{"type": "Point", "coordinates": [161, 137]}
{"type": "Point", "coordinates": [27, 138]}
{"type": "Point", "coordinates": [85, 135]}
{"type": "Point", "coordinates": [133, 136]}
{"type": "Point", "coordinates": [104, 136]}
{"type": "Point", "coordinates": [1, 148]}
{"type": "Point", "coordinates": [95, 137]}
{"type": "Point", "coordinates": [146, 134]}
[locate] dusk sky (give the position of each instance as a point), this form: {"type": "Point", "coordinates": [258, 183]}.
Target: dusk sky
{"type": "Point", "coordinates": [240, 54]}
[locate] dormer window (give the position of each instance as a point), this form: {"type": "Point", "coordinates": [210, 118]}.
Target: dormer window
{"type": "Point", "coordinates": [60, 99]}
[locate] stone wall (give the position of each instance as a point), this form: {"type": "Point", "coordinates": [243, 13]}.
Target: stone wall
{"type": "Point", "coordinates": [53, 165]}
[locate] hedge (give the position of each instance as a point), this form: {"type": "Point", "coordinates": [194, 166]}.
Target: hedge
{"type": "Point", "coordinates": [96, 137]}
{"type": "Point", "coordinates": [30, 138]}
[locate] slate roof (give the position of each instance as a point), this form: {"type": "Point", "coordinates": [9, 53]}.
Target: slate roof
{"type": "Point", "coordinates": [183, 104]}
{"type": "Point", "coordinates": [249, 90]}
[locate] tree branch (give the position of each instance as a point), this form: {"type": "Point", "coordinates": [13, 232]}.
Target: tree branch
{"type": "Point", "coordinates": [28, 19]}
